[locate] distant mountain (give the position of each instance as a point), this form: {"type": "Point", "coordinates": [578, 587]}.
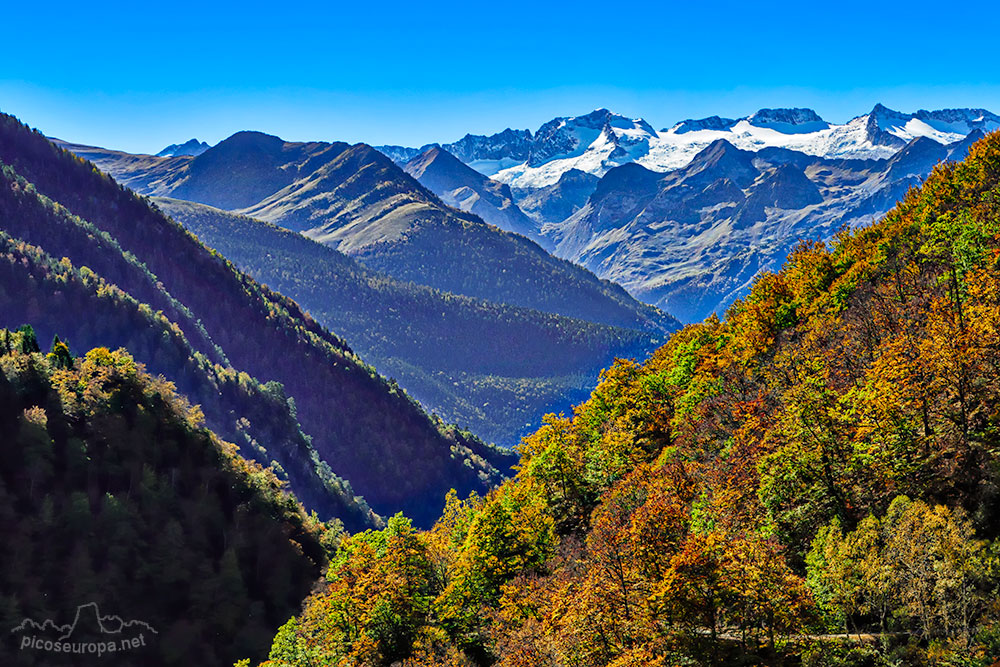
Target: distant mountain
{"type": "Point", "coordinates": [487, 154]}
{"type": "Point", "coordinates": [788, 121]}
{"type": "Point", "coordinates": [602, 140]}
{"type": "Point", "coordinates": [836, 174]}
{"type": "Point", "coordinates": [506, 145]}
{"type": "Point", "coordinates": [452, 353]}
{"type": "Point", "coordinates": [191, 307]}
{"type": "Point", "coordinates": [714, 123]}
{"type": "Point", "coordinates": [572, 137]}
{"type": "Point", "coordinates": [693, 239]}
{"type": "Point", "coordinates": [189, 147]}
{"type": "Point", "coordinates": [465, 188]}
{"type": "Point", "coordinates": [358, 201]}
{"type": "Point", "coordinates": [689, 270]}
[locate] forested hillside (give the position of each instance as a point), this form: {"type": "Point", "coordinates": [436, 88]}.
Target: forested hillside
{"type": "Point", "coordinates": [452, 353]}
{"type": "Point", "coordinates": [34, 286]}
{"type": "Point", "coordinates": [80, 223]}
{"type": "Point", "coordinates": [112, 492]}
{"type": "Point", "coordinates": [812, 480]}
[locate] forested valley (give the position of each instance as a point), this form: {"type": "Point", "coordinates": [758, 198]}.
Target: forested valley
{"type": "Point", "coordinates": [811, 480]}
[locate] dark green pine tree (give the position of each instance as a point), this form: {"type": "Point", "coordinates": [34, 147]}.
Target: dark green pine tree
{"type": "Point", "coordinates": [29, 342]}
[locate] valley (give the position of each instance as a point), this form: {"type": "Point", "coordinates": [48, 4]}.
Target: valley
{"type": "Point", "coordinates": [352, 341]}
{"type": "Point", "coordinates": [515, 335]}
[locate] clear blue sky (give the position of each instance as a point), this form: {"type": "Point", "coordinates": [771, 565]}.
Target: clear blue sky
{"type": "Point", "coordinates": [140, 75]}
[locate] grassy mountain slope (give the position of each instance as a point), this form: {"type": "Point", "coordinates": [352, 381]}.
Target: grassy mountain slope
{"type": "Point", "coordinates": [366, 430]}
{"type": "Point", "coordinates": [148, 174]}
{"type": "Point", "coordinates": [825, 460]}
{"type": "Point", "coordinates": [453, 353]}
{"type": "Point", "coordinates": [112, 493]}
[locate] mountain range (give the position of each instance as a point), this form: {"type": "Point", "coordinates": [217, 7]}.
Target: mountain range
{"type": "Point", "coordinates": [785, 174]}
{"type": "Point", "coordinates": [602, 139]}
{"type": "Point", "coordinates": [692, 240]}
{"type": "Point", "coordinates": [457, 283]}
{"type": "Point", "coordinates": [592, 185]}
{"type": "Point", "coordinates": [683, 218]}
{"type": "Point", "coordinates": [354, 199]}
{"type": "Point", "coordinates": [462, 187]}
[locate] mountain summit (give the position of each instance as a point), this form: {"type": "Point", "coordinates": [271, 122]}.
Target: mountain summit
{"type": "Point", "coordinates": [463, 187]}
{"type": "Point", "coordinates": [787, 116]}
{"type": "Point", "coordinates": [189, 147]}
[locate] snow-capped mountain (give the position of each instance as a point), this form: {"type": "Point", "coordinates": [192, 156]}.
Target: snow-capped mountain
{"type": "Point", "coordinates": [601, 140]}
{"type": "Point", "coordinates": [692, 240]}
{"type": "Point", "coordinates": [878, 134]}
{"type": "Point", "coordinates": [685, 217]}
{"type": "Point", "coordinates": [789, 121]}
{"type": "Point", "coordinates": [189, 147]}
{"type": "Point", "coordinates": [594, 143]}
{"type": "Point", "coordinates": [563, 138]}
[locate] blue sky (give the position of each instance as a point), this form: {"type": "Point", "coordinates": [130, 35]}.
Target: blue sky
{"type": "Point", "coordinates": [137, 76]}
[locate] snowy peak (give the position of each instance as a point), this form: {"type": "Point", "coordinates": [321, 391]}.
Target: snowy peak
{"type": "Point", "coordinates": [886, 127]}
{"type": "Point", "coordinates": [788, 121]}
{"type": "Point", "coordinates": [882, 111]}
{"type": "Point", "coordinates": [596, 118]}
{"type": "Point", "coordinates": [960, 121]}
{"type": "Point", "coordinates": [190, 147]}
{"type": "Point", "coordinates": [794, 116]}
{"type": "Point", "coordinates": [630, 125]}
{"type": "Point", "coordinates": [571, 137]}
{"type": "Point", "coordinates": [694, 125]}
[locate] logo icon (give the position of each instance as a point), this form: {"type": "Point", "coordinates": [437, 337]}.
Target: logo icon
{"type": "Point", "coordinates": [89, 633]}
